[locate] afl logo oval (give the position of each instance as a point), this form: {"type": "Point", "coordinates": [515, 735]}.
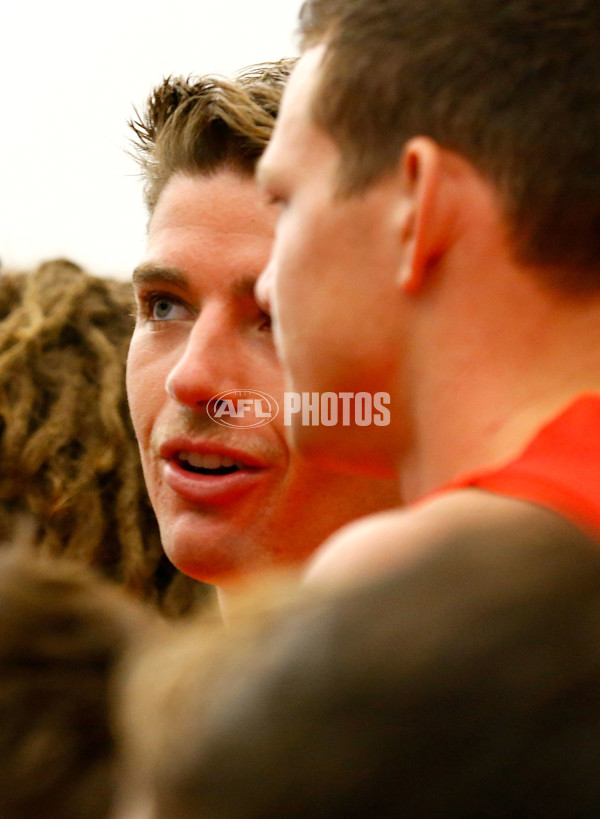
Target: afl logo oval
{"type": "Point", "coordinates": [242, 408]}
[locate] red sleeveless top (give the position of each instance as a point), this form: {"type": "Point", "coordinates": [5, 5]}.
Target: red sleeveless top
{"type": "Point", "coordinates": [558, 469]}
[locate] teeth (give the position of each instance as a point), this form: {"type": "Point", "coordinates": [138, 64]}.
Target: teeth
{"type": "Point", "coordinates": [208, 461]}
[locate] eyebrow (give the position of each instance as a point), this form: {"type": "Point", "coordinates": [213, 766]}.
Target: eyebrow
{"type": "Point", "coordinates": [243, 287]}
{"type": "Point", "coordinates": [144, 273]}
{"type": "Point", "coordinates": [155, 272]}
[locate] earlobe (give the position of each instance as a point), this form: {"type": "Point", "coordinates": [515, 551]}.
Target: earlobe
{"type": "Point", "coordinates": [418, 212]}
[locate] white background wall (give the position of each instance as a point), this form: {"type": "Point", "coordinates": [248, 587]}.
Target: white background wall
{"type": "Point", "coordinates": [71, 72]}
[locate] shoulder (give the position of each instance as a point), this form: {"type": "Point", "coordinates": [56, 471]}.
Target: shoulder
{"type": "Point", "coordinates": [390, 540]}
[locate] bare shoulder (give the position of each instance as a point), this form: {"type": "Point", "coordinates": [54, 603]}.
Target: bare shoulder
{"type": "Point", "coordinates": [388, 540]}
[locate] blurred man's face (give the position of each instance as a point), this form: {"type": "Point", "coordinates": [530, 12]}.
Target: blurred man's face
{"type": "Point", "coordinates": [229, 494]}
{"type": "Point", "coordinates": [331, 279]}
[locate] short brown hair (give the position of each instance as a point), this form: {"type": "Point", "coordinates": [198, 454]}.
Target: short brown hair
{"type": "Point", "coordinates": [199, 125]}
{"type": "Point", "coordinates": [514, 87]}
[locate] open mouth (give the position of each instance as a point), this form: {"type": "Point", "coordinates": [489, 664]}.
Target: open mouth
{"type": "Point", "coordinates": [208, 464]}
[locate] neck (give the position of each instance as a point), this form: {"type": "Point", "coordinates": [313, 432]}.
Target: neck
{"type": "Point", "coordinates": [494, 366]}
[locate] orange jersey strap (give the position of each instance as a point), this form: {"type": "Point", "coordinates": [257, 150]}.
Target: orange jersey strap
{"type": "Point", "coordinates": [558, 469]}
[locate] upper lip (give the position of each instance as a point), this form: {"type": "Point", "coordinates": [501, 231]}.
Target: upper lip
{"type": "Point", "coordinates": [171, 447]}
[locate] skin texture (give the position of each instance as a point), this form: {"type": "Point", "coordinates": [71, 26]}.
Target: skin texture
{"type": "Point", "coordinates": [200, 332]}
{"type": "Point", "coordinates": [331, 336]}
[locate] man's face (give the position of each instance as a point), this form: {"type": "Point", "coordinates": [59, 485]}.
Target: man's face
{"type": "Point", "coordinates": [331, 279]}
{"type": "Point", "coordinates": [229, 498]}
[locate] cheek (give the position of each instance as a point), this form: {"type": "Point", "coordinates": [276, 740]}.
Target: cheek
{"type": "Point", "coordinates": [292, 250]}
{"type": "Point", "coordinates": [145, 375]}
{"type": "Point", "coordinates": [290, 287]}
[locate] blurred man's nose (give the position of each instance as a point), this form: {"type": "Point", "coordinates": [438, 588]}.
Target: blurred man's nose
{"type": "Point", "coordinates": [264, 287]}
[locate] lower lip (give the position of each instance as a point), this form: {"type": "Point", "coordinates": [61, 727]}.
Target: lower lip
{"type": "Point", "coordinates": [216, 489]}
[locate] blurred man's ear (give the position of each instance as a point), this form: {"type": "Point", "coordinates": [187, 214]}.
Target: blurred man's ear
{"type": "Point", "coordinates": [423, 215]}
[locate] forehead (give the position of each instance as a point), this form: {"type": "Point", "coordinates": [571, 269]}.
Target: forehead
{"type": "Point", "coordinates": [224, 202]}
{"type": "Point", "coordinates": [211, 225]}
{"type": "Point", "coordinates": [296, 139]}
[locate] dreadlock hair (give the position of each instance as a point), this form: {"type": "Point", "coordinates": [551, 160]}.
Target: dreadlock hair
{"type": "Point", "coordinates": [68, 454]}
{"type": "Point", "coordinates": [200, 125]}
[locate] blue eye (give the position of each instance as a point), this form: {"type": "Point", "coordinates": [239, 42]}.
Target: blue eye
{"type": "Point", "coordinates": [161, 309]}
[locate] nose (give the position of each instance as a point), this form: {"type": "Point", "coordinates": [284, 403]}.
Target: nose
{"type": "Point", "coordinates": [210, 363]}
{"type": "Point", "coordinates": [263, 289]}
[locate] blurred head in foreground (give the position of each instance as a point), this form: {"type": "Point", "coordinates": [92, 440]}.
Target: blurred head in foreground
{"type": "Point", "coordinates": [465, 685]}
{"type": "Point", "coordinates": [62, 632]}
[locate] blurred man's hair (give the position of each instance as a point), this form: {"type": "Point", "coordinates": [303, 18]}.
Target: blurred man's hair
{"type": "Point", "coordinates": [514, 87]}
{"type": "Point", "coordinates": [62, 633]}
{"type": "Point", "coordinates": [68, 454]}
{"type": "Point", "coordinates": [200, 125]}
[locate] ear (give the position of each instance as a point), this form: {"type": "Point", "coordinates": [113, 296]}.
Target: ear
{"type": "Point", "coordinates": [419, 225]}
